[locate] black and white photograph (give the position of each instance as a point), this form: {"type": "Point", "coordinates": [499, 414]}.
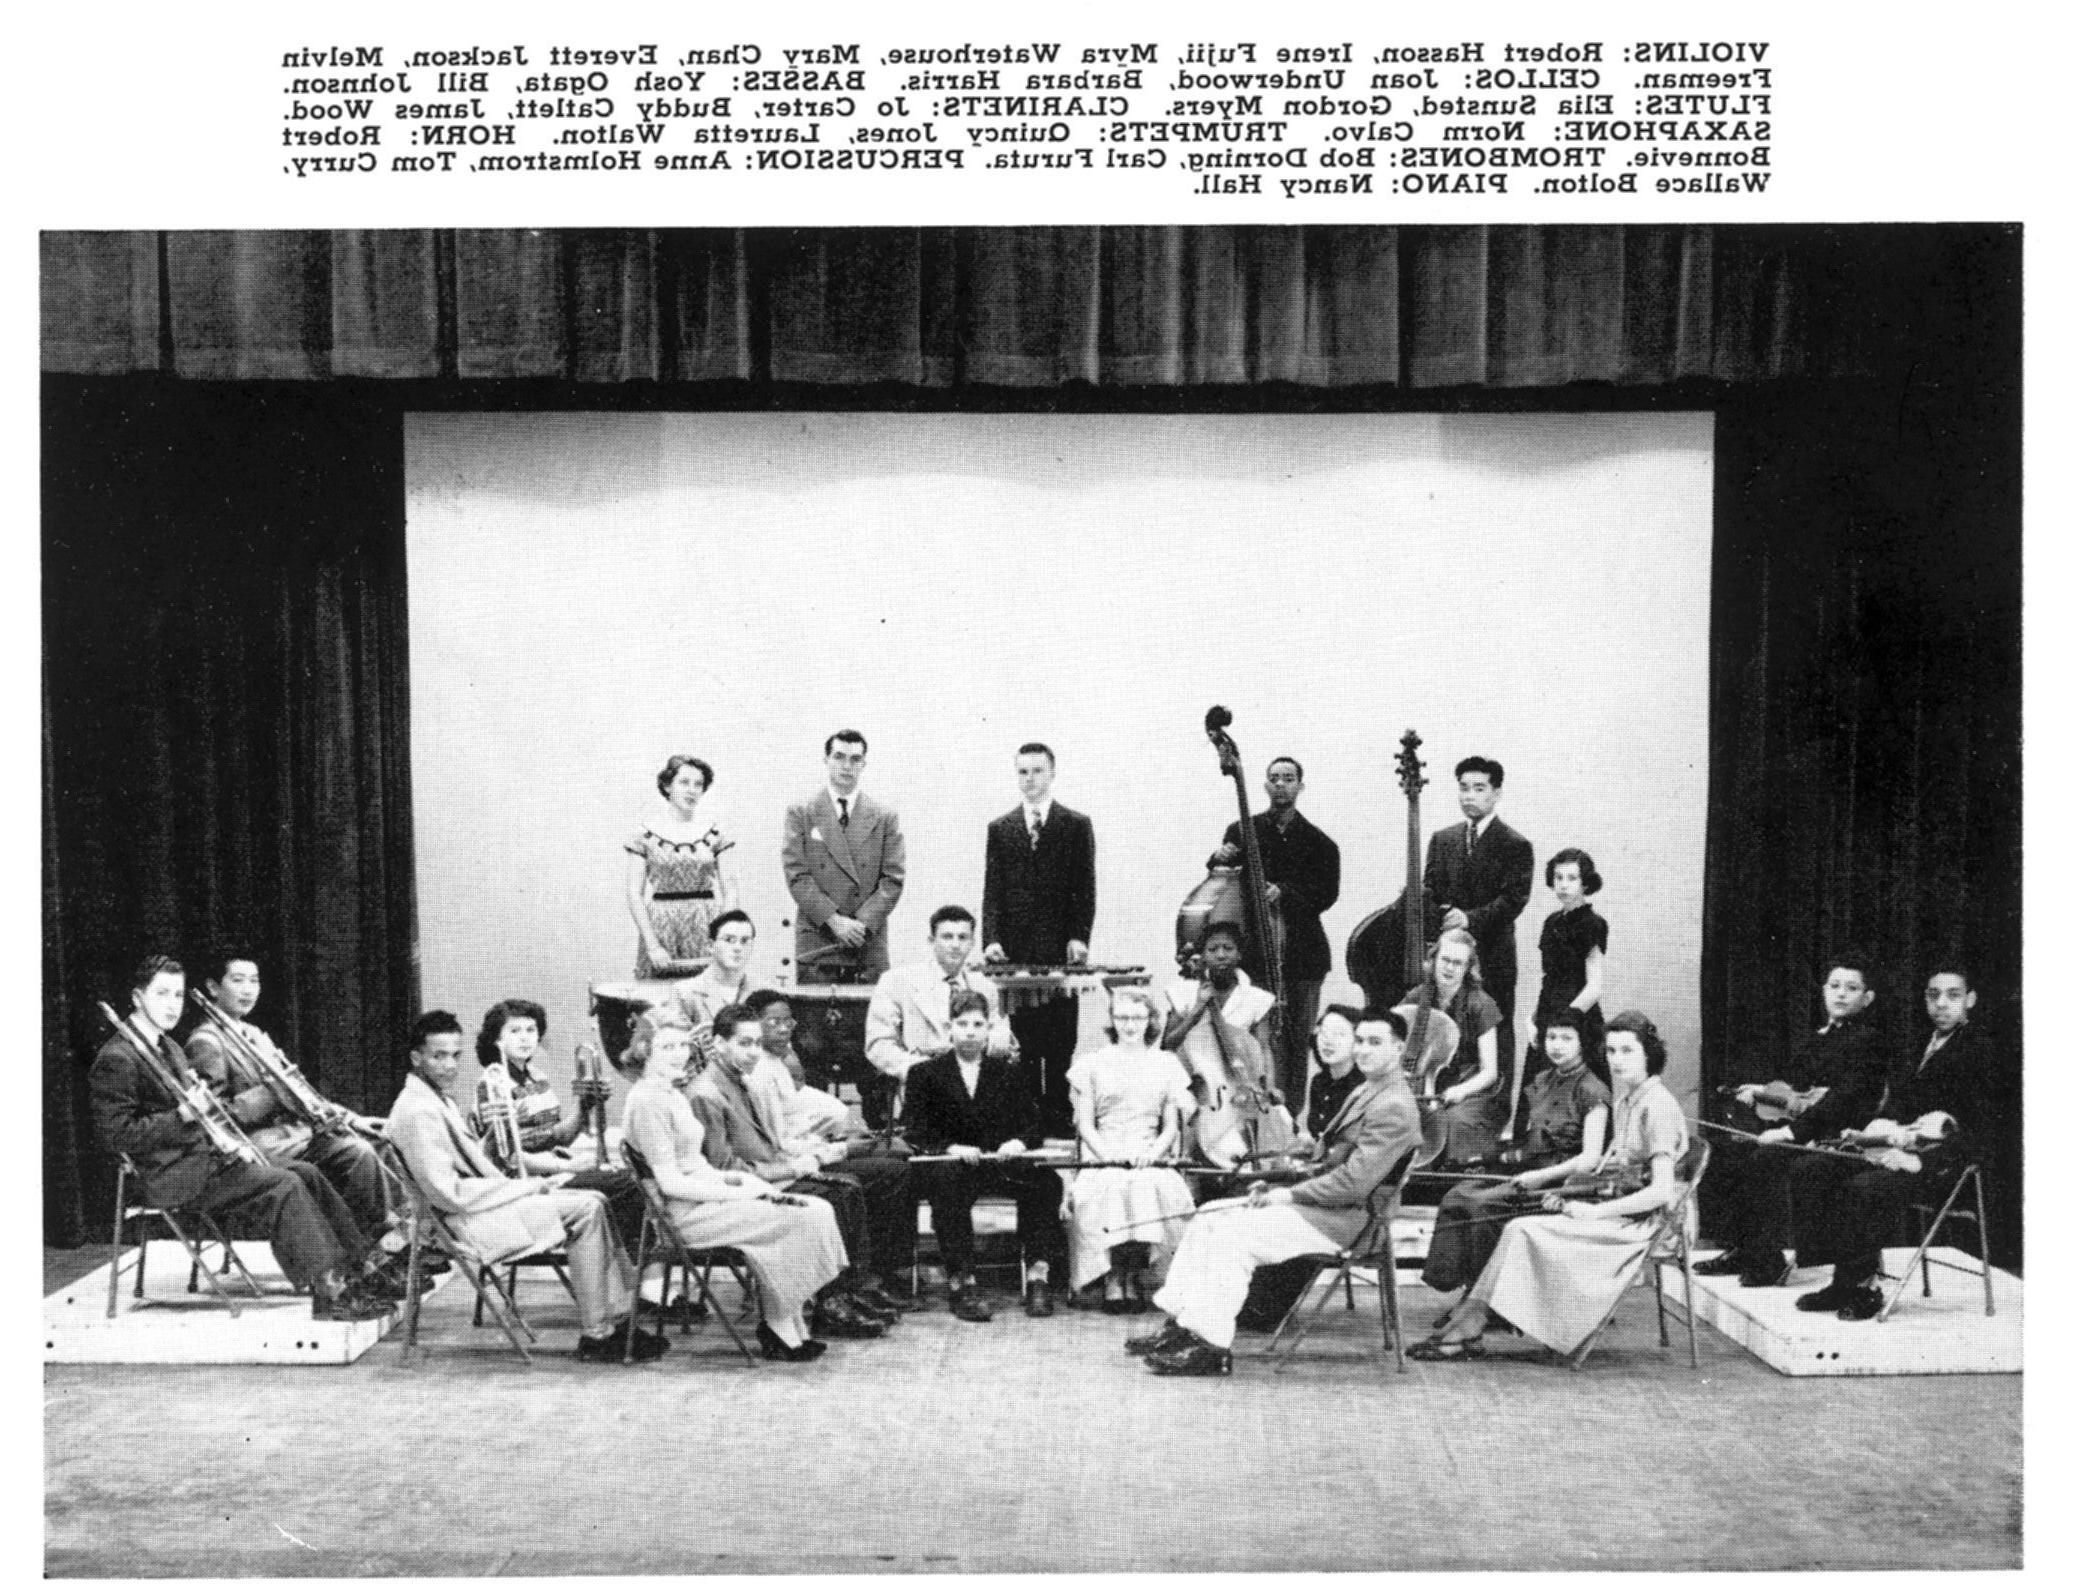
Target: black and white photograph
{"type": "Point", "coordinates": [1202, 897]}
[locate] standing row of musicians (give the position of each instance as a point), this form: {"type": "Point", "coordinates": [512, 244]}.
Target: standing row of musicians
{"type": "Point", "coordinates": [845, 864]}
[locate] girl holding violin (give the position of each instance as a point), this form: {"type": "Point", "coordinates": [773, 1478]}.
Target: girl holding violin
{"type": "Point", "coordinates": [1567, 1114]}
{"type": "Point", "coordinates": [1218, 1026]}
{"type": "Point", "coordinates": [1473, 1101]}
{"type": "Point", "coordinates": [1556, 1276]}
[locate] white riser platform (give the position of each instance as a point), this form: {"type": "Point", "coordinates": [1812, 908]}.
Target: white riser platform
{"type": "Point", "coordinates": [171, 1327]}
{"type": "Point", "coordinates": [1947, 1333]}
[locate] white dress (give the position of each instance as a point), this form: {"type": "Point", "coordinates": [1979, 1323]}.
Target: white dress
{"type": "Point", "coordinates": [1131, 1088]}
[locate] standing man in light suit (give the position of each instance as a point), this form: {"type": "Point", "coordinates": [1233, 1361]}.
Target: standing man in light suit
{"type": "Point", "coordinates": [845, 865]}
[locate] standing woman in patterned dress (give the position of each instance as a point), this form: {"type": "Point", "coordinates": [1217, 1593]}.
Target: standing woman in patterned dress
{"type": "Point", "coordinates": [675, 882]}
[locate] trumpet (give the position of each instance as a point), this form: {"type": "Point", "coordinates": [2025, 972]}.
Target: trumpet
{"type": "Point", "coordinates": [290, 1085]}
{"type": "Point", "coordinates": [226, 1135]}
{"type": "Point", "coordinates": [592, 1090]}
{"type": "Point", "coordinates": [501, 1118]}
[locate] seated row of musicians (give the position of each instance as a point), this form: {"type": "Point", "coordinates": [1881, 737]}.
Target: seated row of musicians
{"type": "Point", "coordinates": [1915, 1123]}
{"type": "Point", "coordinates": [316, 1238]}
{"type": "Point", "coordinates": [502, 1217]}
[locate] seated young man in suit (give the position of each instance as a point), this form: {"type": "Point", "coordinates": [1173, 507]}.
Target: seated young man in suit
{"type": "Point", "coordinates": [909, 1020]}
{"type": "Point", "coordinates": [1375, 1131]}
{"type": "Point", "coordinates": [501, 1217]}
{"type": "Point", "coordinates": [343, 1152]}
{"type": "Point", "coordinates": [311, 1230]}
{"type": "Point", "coordinates": [1744, 1195]}
{"type": "Point", "coordinates": [806, 1112]}
{"type": "Point", "coordinates": [967, 1103]}
{"type": "Point", "coordinates": [741, 1136]}
{"type": "Point", "coordinates": [1941, 1110]}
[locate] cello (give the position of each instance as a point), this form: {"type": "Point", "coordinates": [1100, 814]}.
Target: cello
{"type": "Point", "coordinates": [1244, 1098]}
{"type": "Point", "coordinates": [1431, 1036]}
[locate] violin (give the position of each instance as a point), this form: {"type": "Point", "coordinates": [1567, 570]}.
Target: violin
{"type": "Point", "coordinates": [1778, 1102]}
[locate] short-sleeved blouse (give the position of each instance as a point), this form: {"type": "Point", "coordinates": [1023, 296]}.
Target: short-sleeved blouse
{"type": "Point", "coordinates": [1568, 940]}
{"type": "Point", "coordinates": [673, 867]}
{"type": "Point", "coordinates": [1557, 1106]}
{"type": "Point", "coordinates": [1475, 1015]}
{"type": "Point", "coordinates": [1647, 1123]}
{"type": "Point", "coordinates": [1131, 1088]}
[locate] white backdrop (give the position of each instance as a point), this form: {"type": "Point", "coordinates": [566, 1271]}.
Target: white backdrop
{"type": "Point", "coordinates": [592, 593]}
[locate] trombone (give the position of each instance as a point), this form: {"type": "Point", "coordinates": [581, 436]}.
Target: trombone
{"type": "Point", "coordinates": [226, 1135]}
{"type": "Point", "coordinates": [290, 1085]}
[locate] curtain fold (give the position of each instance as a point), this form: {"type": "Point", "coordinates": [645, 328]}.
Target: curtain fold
{"type": "Point", "coordinates": [1019, 307]}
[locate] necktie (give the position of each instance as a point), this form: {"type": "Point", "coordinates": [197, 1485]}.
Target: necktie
{"type": "Point", "coordinates": [843, 816]}
{"type": "Point", "coordinates": [1469, 843]}
{"type": "Point", "coordinates": [1036, 830]}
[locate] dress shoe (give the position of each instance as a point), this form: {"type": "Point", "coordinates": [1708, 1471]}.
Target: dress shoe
{"type": "Point", "coordinates": [1037, 1298]}
{"type": "Point", "coordinates": [1765, 1272]}
{"type": "Point", "coordinates": [1863, 1306]}
{"type": "Point", "coordinates": [776, 1350]}
{"type": "Point", "coordinates": [1172, 1337]}
{"type": "Point", "coordinates": [1115, 1306]}
{"type": "Point", "coordinates": [379, 1286]}
{"type": "Point", "coordinates": [836, 1320]}
{"type": "Point", "coordinates": [879, 1301]}
{"type": "Point", "coordinates": [1197, 1359]}
{"type": "Point", "coordinates": [349, 1305]}
{"type": "Point", "coordinates": [612, 1346]}
{"type": "Point", "coordinates": [968, 1305]}
{"type": "Point", "coordinates": [1727, 1265]}
{"type": "Point", "coordinates": [885, 1316]}
{"type": "Point", "coordinates": [1838, 1294]}
{"type": "Point", "coordinates": [903, 1292]}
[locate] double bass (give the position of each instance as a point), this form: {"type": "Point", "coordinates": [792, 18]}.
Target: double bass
{"type": "Point", "coordinates": [1244, 1097]}
{"type": "Point", "coordinates": [1432, 1036]}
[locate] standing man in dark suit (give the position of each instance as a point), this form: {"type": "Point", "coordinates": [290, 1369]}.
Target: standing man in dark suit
{"type": "Point", "coordinates": [1039, 907]}
{"type": "Point", "coordinates": [969, 1105]}
{"type": "Point", "coordinates": [845, 865]}
{"type": "Point", "coordinates": [1479, 875]}
{"type": "Point", "coordinates": [1301, 866]}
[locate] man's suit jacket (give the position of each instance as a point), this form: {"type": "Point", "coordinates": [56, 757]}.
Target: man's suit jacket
{"type": "Point", "coordinates": [736, 1137]}
{"type": "Point", "coordinates": [1304, 862]}
{"type": "Point", "coordinates": [1376, 1128]}
{"type": "Point", "coordinates": [1035, 902]}
{"type": "Point", "coordinates": [910, 1014]}
{"type": "Point", "coordinates": [501, 1217]}
{"type": "Point", "coordinates": [1967, 1079]}
{"type": "Point", "coordinates": [1491, 888]}
{"type": "Point", "coordinates": [1850, 1060]}
{"type": "Point", "coordinates": [858, 872]}
{"type": "Point", "coordinates": [135, 1115]}
{"type": "Point", "coordinates": [940, 1113]}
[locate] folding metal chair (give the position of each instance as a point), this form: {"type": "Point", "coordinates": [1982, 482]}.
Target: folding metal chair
{"type": "Point", "coordinates": [1670, 1244]}
{"type": "Point", "coordinates": [557, 1260]}
{"type": "Point", "coordinates": [659, 1239]}
{"type": "Point", "coordinates": [430, 1230]}
{"type": "Point", "coordinates": [198, 1271]}
{"type": "Point", "coordinates": [1977, 1215]}
{"type": "Point", "coordinates": [1374, 1247]}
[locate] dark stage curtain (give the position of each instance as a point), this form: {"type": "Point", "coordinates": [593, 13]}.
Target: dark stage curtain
{"type": "Point", "coordinates": [1332, 307]}
{"type": "Point", "coordinates": [225, 731]}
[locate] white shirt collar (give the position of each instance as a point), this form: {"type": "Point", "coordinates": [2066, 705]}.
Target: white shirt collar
{"type": "Point", "coordinates": [1042, 811]}
{"type": "Point", "coordinates": [1484, 824]}
{"type": "Point", "coordinates": [836, 800]}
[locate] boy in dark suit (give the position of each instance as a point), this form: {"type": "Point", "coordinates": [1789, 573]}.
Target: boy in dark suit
{"type": "Point", "coordinates": [968, 1104]}
{"type": "Point", "coordinates": [1479, 875]}
{"type": "Point", "coordinates": [1039, 907]}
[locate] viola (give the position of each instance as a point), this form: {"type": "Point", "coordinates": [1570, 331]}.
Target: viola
{"type": "Point", "coordinates": [1779, 1102]}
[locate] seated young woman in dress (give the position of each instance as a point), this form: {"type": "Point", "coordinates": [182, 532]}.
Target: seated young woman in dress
{"type": "Point", "coordinates": [675, 881]}
{"type": "Point", "coordinates": [1555, 1277]}
{"type": "Point", "coordinates": [1472, 1088]}
{"type": "Point", "coordinates": [791, 1242]}
{"type": "Point", "coordinates": [1567, 1114]}
{"type": "Point", "coordinates": [551, 1140]}
{"type": "Point", "coordinates": [1130, 1103]}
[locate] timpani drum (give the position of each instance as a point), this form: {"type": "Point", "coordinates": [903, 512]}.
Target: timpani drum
{"type": "Point", "coordinates": [617, 1003]}
{"type": "Point", "coordinates": [829, 1037]}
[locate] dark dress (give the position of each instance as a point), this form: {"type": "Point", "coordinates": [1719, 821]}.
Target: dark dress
{"type": "Point", "coordinates": [1568, 939]}
{"type": "Point", "coordinates": [1472, 1125]}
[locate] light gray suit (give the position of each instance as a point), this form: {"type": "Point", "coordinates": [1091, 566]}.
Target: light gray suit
{"type": "Point", "coordinates": [858, 871]}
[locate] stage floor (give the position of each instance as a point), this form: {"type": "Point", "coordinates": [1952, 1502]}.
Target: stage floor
{"type": "Point", "coordinates": [1948, 1333]}
{"type": "Point", "coordinates": [169, 1326]}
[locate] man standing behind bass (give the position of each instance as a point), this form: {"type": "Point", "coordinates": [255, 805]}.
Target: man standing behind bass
{"type": "Point", "coordinates": [1300, 864]}
{"type": "Point", "coordinates": [1479, 875]}
{"type": "Point", "coordinates": [845, 865]}
{"type": "Point", "coordinates": [1039, 907]}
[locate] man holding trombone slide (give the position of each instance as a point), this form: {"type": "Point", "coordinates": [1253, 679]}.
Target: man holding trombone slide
{"type": "Point", "coordinates": [192, 1156]}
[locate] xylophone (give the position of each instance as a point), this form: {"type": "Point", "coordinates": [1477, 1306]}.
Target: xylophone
{"type": "Point", "coordinates": [1028, 984]}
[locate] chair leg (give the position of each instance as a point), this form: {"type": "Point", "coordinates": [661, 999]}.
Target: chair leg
{"type": "Point", "coordinates": [713, 1310]}
{"type": "Point", "coordinates": [231, 1259]}
{"type": "Point", "coordinates": [1922, 1251]}
{"type": "Point", "coordinates": [1303, 1324]}
{"type": "Point", "coordinates": [1692, 1324]}
{"type": "Point", "coordinates": [640, 1265]}
{"type": "Point", "coordinates": [115, 1246]}
{"type": "Point", "coordinates": [413, 1287]}
{"type": "Point", "coordinates": [505, 1310]}
{"type": "Point", "coordinates": [194, 1251]}
{"type": "Point", "coordinates": [1393, 1322]}
{"type": "Point", "coordinates": [1980, 1224]}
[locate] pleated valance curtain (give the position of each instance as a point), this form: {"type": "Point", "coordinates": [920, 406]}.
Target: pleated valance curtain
{"type": "Point", "coordinates": [1006, 307]}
